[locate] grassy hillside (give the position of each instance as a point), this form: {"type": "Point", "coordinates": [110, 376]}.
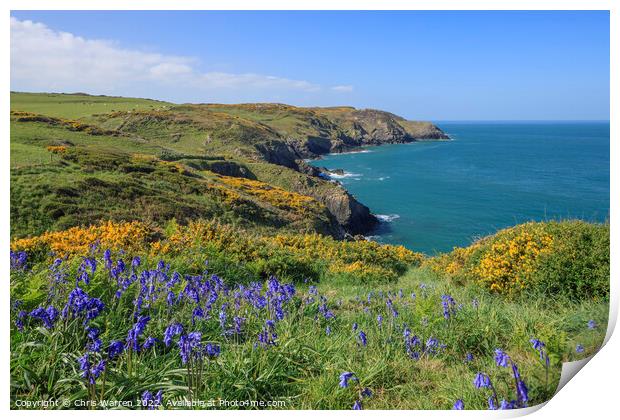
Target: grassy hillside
{"type": "Point", "coordinates": [79, 158]}
{"type": "Point", "coordinates": [132, 308]}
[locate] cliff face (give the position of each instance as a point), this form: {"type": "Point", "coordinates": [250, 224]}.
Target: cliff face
{"type": "Point", "coordinates": [331, 130]}
{"type": "Point", "coordinates": [319, 131]}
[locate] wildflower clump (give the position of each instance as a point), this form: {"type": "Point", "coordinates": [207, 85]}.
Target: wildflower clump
{"type": "Point", "coordinates": [510, 263]}
{"type": "Point", "coordinates": [78, 240]}
{"type": "Point", "coordinates": [569, 258]}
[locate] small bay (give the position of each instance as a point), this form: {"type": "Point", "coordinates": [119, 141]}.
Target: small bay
{"type": "Point", "coordinates": [432, 196]}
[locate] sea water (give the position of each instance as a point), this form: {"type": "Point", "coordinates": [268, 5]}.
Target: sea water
{"type": "Point", "coordinates": [432, 196]}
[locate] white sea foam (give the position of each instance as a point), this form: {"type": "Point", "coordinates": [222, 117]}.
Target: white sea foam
{"type": "Point", "coordinates": [383, 178]}
{"type": "Point", "coordinates": [344, 175]}
{"type": "Point", "coordinates": [350, 152]}
{"type": "Point", "coordinates": [387, 217]}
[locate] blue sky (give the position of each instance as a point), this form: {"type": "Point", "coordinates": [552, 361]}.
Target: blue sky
{"type": "Point", "coordinates": [439, 65]}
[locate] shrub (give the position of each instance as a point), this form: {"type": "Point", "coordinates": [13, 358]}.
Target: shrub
{"type": "Point", "coordinates": [569, 258]}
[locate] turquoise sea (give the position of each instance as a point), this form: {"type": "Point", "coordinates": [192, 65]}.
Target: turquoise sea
{"type": "Point", "coordinates": [433, 196]}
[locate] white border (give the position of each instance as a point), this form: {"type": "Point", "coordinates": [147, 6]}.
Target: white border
{"type": "Point", "coordinates": [592, 395]}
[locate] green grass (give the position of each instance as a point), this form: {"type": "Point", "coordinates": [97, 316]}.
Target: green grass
{"type": "Point", "coordinates": [75, 106]}
{"type": "Point", "coordinates": [303, 368]}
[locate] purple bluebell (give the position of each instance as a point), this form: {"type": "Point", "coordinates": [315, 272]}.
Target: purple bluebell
{"type": "Point", "coordinates": [135, 262]}
{"type": "Point", "coordinates": [212, 350]}
{"type": "Point", "coordinates": [151, 401]}
{"type": "Point", "coordinates": [19, 320]}
{"type": "Point", "coordinates": [115, 349]}
{"type": "Point", "coordinates": [362, 338]}
{"type": "Point", "coordinates": [171, 331]}
{"type": "Point", "coordinates": [501, 358]}
{"type": "Point", "coordinates": [238, 324]}
{"type": "Point", "coordinates": [449, 306]}
{"type": "Point", "coordinates": [482, 380]}
{"type": "Point", "coordinates": [149, 342]}
{"type": "Point", "coordinates": [357, 405]}
{"type": "Point", "coordinates": [579, 348]}
{"type": "Point", "coordinates": [505, 405]}
{"type": "Point", "coordinates": [187, 344]}
{"type": "Point", "coordinates": [591, 324]}
{"type": "Point", "coordinates": [18, 260]}
{"type": "Point", "coordinates": [345, 377]}
{"type": "Point", "coordinates": [133, 336]}
{"type": "Point", "coordinates": [522, 391]}
{"type": "Point", "coordinates": [458, 405]}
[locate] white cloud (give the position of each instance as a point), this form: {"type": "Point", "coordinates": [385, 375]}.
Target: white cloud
{"type": "Point", "coordinates": [48, 60]}
{"type": "Point", "coordinates": [343, 88]}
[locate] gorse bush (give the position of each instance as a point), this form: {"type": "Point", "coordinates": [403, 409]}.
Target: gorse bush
{"type": "Point", "coordinates": [234, 251]}
{"type": "Point", "coordinates": [569, 258]}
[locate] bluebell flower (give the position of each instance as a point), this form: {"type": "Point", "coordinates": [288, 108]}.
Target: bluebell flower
{"type": "Point", "coordinates": [366, 392]}
{"type": "Point", "coordinates": [501, 358]}
{"type": "Point", "coordinates": [267, 337]}
{"type": "Point", "coordinates": [357, 405]}
{"type": "Point", "coordinates": [149, 342]}
{"type": "Point", "coordinates": [95, 345]}
{"type": "Point", "coordinates": [80, 304]}
{"type": "Point", "coordinates": [469, 357]}
{"type": "Point", "coordinates": [170, 298]}
{"type": "Point", "coordinates": [458, 405]}
{"type": "Point", "coordinates": [345, 377]}
{"type": "Point", "coordinates": [115, 348]}
{"type": "Point", "coordinates": [171, 331]}
{"type": "Point", "coordinates": [18, 260]}
{"type": "Point", "coordinates": [579, 348]}
{"type": "Point", "coordinates": [522, 391]}
{"type": "Point", "coordinates": [89, 371]}
{"type": "Point", "coordinates": [362, 337]}
{"type": "Point", "coordinates": [135, 262]}
{"type": "Point", "coordinates": [107, 258]}
{"type": "Point", "coordinates": [97, 370]}
{"type": "Point", "coordinates": [47, 316]}
{"type": "Point", "coordinates": [328, 330]}
{"type": "Point", "coordinates": [151, 401]}
{"type": "Point", "coordinates": [482, 380]}
{"type": "Point", "coordinates": [505, 405]}
{"type": "Point", "coordinates": [187, 344]}
{"type": "Point", "coordinates": [379, 320]}
{"type": "Point", "coordinates": [133, 336]}
{"type": "Point", "coordinates": [238, 324]}
{"type": "Point", "coordinates": [84, 365]}
{"type": "Point", "coordinates": [591, 324]}
{"type": "Point", "coordinates": [449, 306]}
{"type": "Point", "coordinates": [222, 317]}
{"type": "Point", "coordinates": [492, 405]}
{"type": "Point", "coordinates": [540, 346]}
{"type": "Point", "coordinates": [212, 350]}
{"type": "Point", "coordinates": [355, 326]}
{"type": "Point", "coordinates": [19, 320]}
